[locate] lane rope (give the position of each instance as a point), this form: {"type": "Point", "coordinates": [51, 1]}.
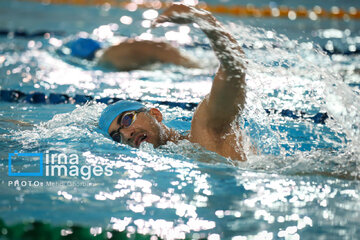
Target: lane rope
{"type": "Point", "coordinates": [17, 96]}
{"type": "Point", "coordinates": [249, 10]}
{"type": "Point", "coordinates": [46, 34]}
{"type": "Point", "coordinates": [25, 34]}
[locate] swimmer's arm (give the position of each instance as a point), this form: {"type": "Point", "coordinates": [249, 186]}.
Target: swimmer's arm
{"type": "Point", "coordinates": [16, 122]}
{"type": "Point", "coordinates": [166, 53]}
{"type": "Point", "coordinates": [134, 54]}
{"type": "Point", "coordinates": [162, 52]}
{"type": "Point", "coordinates": [228, 90]}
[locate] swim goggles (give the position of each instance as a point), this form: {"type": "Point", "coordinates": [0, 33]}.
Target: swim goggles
{"type": "Point", "coordinates": [127, 119]}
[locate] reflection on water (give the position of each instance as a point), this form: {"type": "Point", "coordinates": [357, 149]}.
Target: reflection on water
{"type": "Point", "coordinates": [299, 185]}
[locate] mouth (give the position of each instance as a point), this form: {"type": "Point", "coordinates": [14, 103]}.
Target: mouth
{"type": "Point", "coordinates": [140, 138]}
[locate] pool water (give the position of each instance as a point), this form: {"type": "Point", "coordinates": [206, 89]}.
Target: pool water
{"type": "Point", "coordinates": [303, 184]}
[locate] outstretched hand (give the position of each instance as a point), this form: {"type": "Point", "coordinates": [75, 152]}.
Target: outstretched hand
{"type": "Point", "coordinates": [177, 13]}
{"type": "Point", "coordinates": [214, 116]}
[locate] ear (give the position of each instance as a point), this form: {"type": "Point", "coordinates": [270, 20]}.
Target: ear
{"type": "Point", "coordinates": [156, 114]}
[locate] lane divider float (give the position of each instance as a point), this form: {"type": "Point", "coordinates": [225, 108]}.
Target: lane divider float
{"type": "Point", "coordinates": [46, 34]}
{"type": "Point", "coordinates": [249, 10]}
{"type": "Point", "coordinates": [17, 96]}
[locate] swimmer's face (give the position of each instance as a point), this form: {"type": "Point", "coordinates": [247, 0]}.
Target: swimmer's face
{"type": "Point", "coordinates": [146, 127]}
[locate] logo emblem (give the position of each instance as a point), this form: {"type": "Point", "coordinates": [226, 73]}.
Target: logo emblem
{"type": "Point", "coordinates": [27, 159]}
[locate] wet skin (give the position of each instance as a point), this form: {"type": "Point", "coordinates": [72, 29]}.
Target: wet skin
{"type": "Point", "coordinates": [146, 128]}
{"type": "Point", "coordinates": [212, 124]}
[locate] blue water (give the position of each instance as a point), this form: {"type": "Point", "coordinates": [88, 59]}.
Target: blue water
{"type": "Point", "coordinates": [301, 185]}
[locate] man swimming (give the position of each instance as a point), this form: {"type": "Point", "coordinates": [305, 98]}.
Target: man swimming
{"type": "Point", "coordinates": [130, 123]}
{"type": "Point", "coordinates": [130, 54]}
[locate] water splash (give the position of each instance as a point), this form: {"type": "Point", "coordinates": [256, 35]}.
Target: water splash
{"type": "Point", "coordinates": [171, 191]}
{"type": "Point", "coordinates": [286, 74]}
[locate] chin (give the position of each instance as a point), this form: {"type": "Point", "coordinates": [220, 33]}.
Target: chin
{"type": "Point", "coordinates": [157, 144]}
{"type": "Point", "coordinates": [155, 140]}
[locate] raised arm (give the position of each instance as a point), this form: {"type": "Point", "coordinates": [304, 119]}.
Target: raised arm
{"type": "Point", "coordinates": [227, 94]}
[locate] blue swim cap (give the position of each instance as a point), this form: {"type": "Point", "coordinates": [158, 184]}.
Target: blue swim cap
{"type": "Point", "coordinates": [84, 48]}
{"type": "Point", "coordinates": [113, 110]}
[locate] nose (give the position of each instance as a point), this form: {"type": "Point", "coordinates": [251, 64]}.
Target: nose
{"type": "Point", "coordinates": [127, 134]}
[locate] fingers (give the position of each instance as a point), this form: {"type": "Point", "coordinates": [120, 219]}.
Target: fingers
{"type": "Point", "coordinates": [176, 13]}
{"type": "Point", "coordinates": [162, 19]}
{"type": "Point", "coordinates": [159, 20]}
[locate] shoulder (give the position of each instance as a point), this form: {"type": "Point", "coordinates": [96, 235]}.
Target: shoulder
{"type": "Point", "coordinates": [201, 132]}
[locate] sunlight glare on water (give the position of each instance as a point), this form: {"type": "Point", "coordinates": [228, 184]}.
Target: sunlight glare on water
{"type": "Point", "coordinates": [298, 183]}
{"type": "Point", "coordinates": [283, 74]}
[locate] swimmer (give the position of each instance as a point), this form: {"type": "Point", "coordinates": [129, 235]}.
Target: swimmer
{"type": "Point", "coordinates": [130, 54]}
{"type": "Point", "coordinates": [131, 123]}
